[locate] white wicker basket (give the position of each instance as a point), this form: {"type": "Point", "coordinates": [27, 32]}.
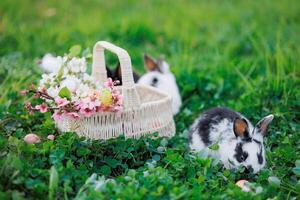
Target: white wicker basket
{"type": "Point", "coordinates": [146, 109]}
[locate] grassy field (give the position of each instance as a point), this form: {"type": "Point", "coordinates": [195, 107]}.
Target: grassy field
{"type": "Point", "coordinates": [240, 54]}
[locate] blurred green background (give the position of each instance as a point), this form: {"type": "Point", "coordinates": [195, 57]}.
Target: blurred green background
{"type": "Point", "coordinates": [240, 54]}
{"type": "Point", "coordinates": [244, 38]}
{"type": "Point", "coordinates": [191, 30]}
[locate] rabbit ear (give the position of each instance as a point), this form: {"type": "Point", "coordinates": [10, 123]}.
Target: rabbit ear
{"type": "Point", "coordinates": [150, 63]}
{"type": "Point", "coordinates": [162, 65]}
{"type": "Point", "coordinates": [262, 125]}
{"type": "Point", "coordinates": [240, 128]}
{"type": "Point", "coordinates": [109, 73]}
{"type": "Point", "coordinates": [118, 72]}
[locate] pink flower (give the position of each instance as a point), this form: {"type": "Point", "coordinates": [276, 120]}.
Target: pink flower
{"type": "Point", "coordinates": [51, 137]}
{"type": "Point", "coordinates": [87, 103]}
{"type": "Point", "coordinates": [32, 138]}
{"type": "Point", "coordinates": [43, 90]}
{"type": "Point", "coordinates": [43, 108]}
{"type": "Point", "coordinates": [24, 92]}
{"type": "Point", "coordinates": [87, 107]}
{"type": "Point", "coordinates": [94, 95]}
{"type": "Point", "coordinates": [60, 102]}
{"type": "Point", "coordinates": [32, 87]}
{"type": "Point", "coordinates": [118, 108]}
{"type": "Point", "coordinates": [36, 96]}
{"type": "Point", "coordinates": [57, 116]}
{"type": "Point", "coordinates": [118, 98]}
{"type": "Point", "coordinates": [87, 112]}
{"type": "Point", "coordinates": [73, 115]}
{"type": "Point", "coordinates": [28, 106]}
{"type": "Point", "coordinates": [109, 83]}
{"type": "Point", "coordinates": [100, 108]}
{"type": "Point", "coordinates": [243, 184]}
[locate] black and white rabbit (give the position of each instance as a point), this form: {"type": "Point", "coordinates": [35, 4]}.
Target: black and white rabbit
{"type": "Point", "coordinates": [159, 75]}
{"type": "Point", "coordinates": [239, 142]}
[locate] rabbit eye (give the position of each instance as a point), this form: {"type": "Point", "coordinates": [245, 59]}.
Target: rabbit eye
{"type": "Point", "coordinates": [240, 155]}
{"type": "Point", "coordinates": [154, 82]}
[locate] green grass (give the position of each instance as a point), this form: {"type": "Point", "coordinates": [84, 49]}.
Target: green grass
{"type": "Point", "coordinates": [240, 54]}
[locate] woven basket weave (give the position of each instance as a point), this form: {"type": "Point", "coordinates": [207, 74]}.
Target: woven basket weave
{"type": "Point", "coordinates": [146, 109]}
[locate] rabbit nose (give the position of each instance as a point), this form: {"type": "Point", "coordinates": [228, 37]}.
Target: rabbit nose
{"type": "Point", "coordinates": [249, 169]}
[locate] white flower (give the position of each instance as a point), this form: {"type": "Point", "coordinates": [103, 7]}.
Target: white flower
{"type": "Point", "coordinates": [83, 90]}
{"type": "Point", "coordinates": [47, 80]}
{"type": "Point", "coordinates": [71, 82]}
{"type": "Point", "coordinates": [98, 85]}
{"type": "Point", "coordinates": [88, 78]}
{"type": "Point", "coordinates": [66, 72]}
{"type": "Point", "coordinates": [77, 65]}
{"type": "Point", "coordinates": [65, 59]}
{"type": "Point", "coordinates": [146, 173]}
{"type": "Point", "coordinates": [75, 98]}
{"type": "Point", "coordinates": [52, 76]}
{"type": "Point", "coordinates": [50, 63]}
{"type": "Point", "coordinates": [53, 91]}
{"type": "Point", "coordinates": [73, 76]}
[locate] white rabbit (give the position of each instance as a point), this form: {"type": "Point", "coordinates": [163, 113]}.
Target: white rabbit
{"type": "Point", "coordinates": [239, 142]}
{"type": "Point", "coordinates": [159, 75]}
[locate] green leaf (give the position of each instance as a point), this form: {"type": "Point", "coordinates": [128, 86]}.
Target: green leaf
{"type": "Point", "coordinates": [82, 152]}
{"type": "Point", "coordinates": [75, 50]}
{"type": "Point", "coordinates": [164, 142]}
{"type": "Point", "coordinates": [273, 180]}
{"type": "Point", "coordinates": [214, 147]}
{"type": "Point", "coordinates": [131, 173]}
{"type": "Point", "coordinates": [60, 74]}
{"type": "Point", "coordinates": [105, 170]}
{"type": "Point", "coordinates": [130, 149]}
{"type": "Point", "coordinates": [155, 134]}
{"type": "Point", "coordinates": [57, 156]}
{"type": "Point", "coordinates": [160, 149]}
{"type": "Point", "coordinates": [64, 93]}
{"type": "Point", "coordinates": [156, 157]}
{"type": "Point", "coordinates": [53, 182]}
{"type": "Point", "coordinates": [17, 195]}
{"type": "Point", "coordinates": [226, 173]}
{"type": "Point", "coordinates": [297, 163]}
{"type": "Point", "coordinates": [87, 53]}
{"type": "Point", "coordinates": [296, 170]}
{"type": "Point", "coordinates": [112, 162]}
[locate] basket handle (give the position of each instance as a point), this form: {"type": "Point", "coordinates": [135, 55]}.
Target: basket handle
{"type": "Point", "coordinates": [130, 95]}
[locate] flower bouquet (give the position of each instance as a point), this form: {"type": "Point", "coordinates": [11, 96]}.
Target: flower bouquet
{"type": "Point", "coordinates": [70, 92]}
